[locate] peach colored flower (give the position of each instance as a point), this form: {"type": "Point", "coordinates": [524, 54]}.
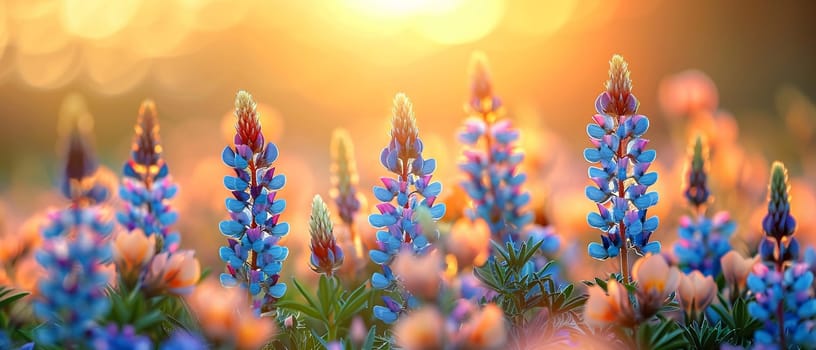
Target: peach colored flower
{"type": "Point", "coordinates": [27, 272]}
{"type": "Point", "coordinates": [486, 330]}
{"type": "Point", "coordinates": [420, 329]}
{"type": "Point", "coordinates": [226, 317]}
{"type": "Point", "coordinates": [176, 273]}
{"type": "Point", "coordinates": [735, 269]}
{"type": "Point", "coordinates": [420, 274]}
{"type": "Point", "coordinates": [132, 251]}
{"type": "Point", "coordinates": [696, 291]}
{"type": "Point", "coordinates": [9, 249]}
{"type": "Point", "coordinates": [656, 280]}
{"type": "Point", "coordinates": [469, 242]}
{"type": "Point", "coordinates": [251, 332]}
{"type": "Point", "coordinates": [688, 92]}
{"type": "Point", "coordinates": [4, 278]}
{"type": "Point", "coordinates": [30, 233]}
{"type": "Point", "coordinates": [605, 308]}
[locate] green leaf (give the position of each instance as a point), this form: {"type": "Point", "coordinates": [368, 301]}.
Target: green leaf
{"type": "Point", "coordinates": [300, 307]}
{"type": "Point", "coordinates": [355, 302]}
{"type": "Point", "coordinates": [10, 300]}
{"type": "Point", "coordinates": [149, 320]}
{"type": "Point", "coordinates": [369, 341]}
{"type": "Point", "coordinates": [324, 295]}
{"type": "Point", "coordinates": [305, 295]}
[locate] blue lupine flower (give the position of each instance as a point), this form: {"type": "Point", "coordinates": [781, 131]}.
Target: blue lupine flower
{"type": "Point", "coordinates": [779, 223]}
{"type": "Point", "coordinates": [147, 186]}
{"type": "Point", "coordinates": [111, 338]}
{"type": "Point", "coordinates": [411, 191]}
{"type": "Point", "coordinates": [253, 256]}
{"type": "Point", "coordinates": [696, 191]}
{"type": "Point", "coordinates": [493, 180]}
{"type": "Point", "coordinates": [703, 243]}
{"type": "Point", "coordinates": [782, 284]}
{"type": "Point", "coordinates": [703, 240]}
{"type": "Point", "coordinates": [790, 291]}
{"type": "Point", "coordinates": [326, 255]}
{"type": "Point", "coordinates": [183, 340]}
{"type": "Point", "coordinates": [75, 248]}
{"type": "Point", "coordinates": [622, 180]}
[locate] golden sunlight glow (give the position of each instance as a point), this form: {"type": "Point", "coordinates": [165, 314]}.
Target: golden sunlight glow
{"type": "Point", "coordinates": [467, 22]}
{"type": "Point", "coordinates": [403, 8]}
{"type": "Point", "coordinates": [96, 19]}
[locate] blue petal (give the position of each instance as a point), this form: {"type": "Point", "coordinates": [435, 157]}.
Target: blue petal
{"type": "Point", "coordinates": [235, 184]}
{"type": "Point", "coordinates": [595, 194]}
{"type": "Point", "coordinates": [277, 182]}
{"type": "Point", "coordinates": [272, 268]}
{"type": "Point", "coordinates": [428, 166]}
{"type": "Point", "coordinates": [595, 131]}
{"type": "Point", "coordinates": [281, 229]}
{"type": "Point", "coordinates": [804, 282]}
{"type": "Point", "coordinates": [271, 153]}
{"type": "Point", "coordinates": [648, 179]}
{"type": "Point", "coordinates": [438, 211]}
{"type": "Point", "coordinates": [168, 218]}
{"type": "Point", "coordinates": [235, 205]}
{"type": "Point", "coordinates": [278, 290]}
{"type": "Point", "coordinates": [592, 155]}
{"type": "Point", "coordinates": [380, 220]}
{"type": "Point", "coordinates": [652, 247]}
{"type": "Point", "coordinates": [641, 126]}
{"type": "Point", "coordinates": [597, 172]}
{"type": "Point", "coordinates": [225, 253]}
{"type": "Point", "coordinates": [379, 281]}
{"type": "Point", "coordinates": [650, 225]}
{"type": "Point", "coordinates": [227, 280]}
{"type": "Point", "coordinates": [596, 220]}
{"type": "Point", "coordinates": [755, 283]}
{"type": "Point", "coordinates": [432, 190]}
{"type": "Point", "coordinates": [378, 257]}
{"type": "Point", "coordinates": [384, 314]}
{"type": "Point", "coordinates": [228, 156]}
{"type": "Point", "coordinates": [597, 251]}
{"type": "Point", "coordinates": [277, 206]}
{"type": "Point", "coordinates": [757, 311]}
{"type": "Point", "coordinates": [383, 194]}
{"type": "Point", "coordinates": [231, 228]}
{"type": "Point", "coordinates": [647, 156]}
{"type": "Point", "coordinates": [240, 162]}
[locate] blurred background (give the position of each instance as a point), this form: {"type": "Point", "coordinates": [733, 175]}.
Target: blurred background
{"type": "Point", "coordinates": [314, 66]}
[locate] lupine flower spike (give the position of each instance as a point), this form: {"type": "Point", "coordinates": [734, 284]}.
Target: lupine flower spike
{"type": "Point", "coordinates": [74, 252]}
{"type": "Point", "coordinates": [411, 190]}
{"type": "Point", "coordinates": [622, 181]}
{"type": "Point", "coordinates": [326, 254]}
{"type": "Point", "coordinates": [147, 187]}
{"type": "Point", "coordinates": [782, 284]}
{"type": "Point", "coordinates": [344, 184]}
{"type": "Point", "coordinates": [703, 240]}
{"type": "Point", "coordinates": [253, 256]}
{"type": "Point", "coordinates": [491, 160]}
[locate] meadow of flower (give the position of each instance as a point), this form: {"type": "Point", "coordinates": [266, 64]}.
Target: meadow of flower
{"type": "Point", "coordinates": [407, 263]}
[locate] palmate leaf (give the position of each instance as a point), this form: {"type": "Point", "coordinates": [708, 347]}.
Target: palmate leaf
{"type": "Point", "coordinates": [736, 317]}
{"type": "Point", "coordinates": [704, 335]}
{"type": "Point", "coordinates": [663, 335]}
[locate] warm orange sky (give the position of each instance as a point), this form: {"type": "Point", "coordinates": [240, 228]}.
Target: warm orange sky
{"type": "Point", "coordinates": [317, 65]}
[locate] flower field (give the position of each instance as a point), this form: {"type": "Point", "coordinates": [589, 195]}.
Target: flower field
{"type": "Point", "coordinates": [622, 225]}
